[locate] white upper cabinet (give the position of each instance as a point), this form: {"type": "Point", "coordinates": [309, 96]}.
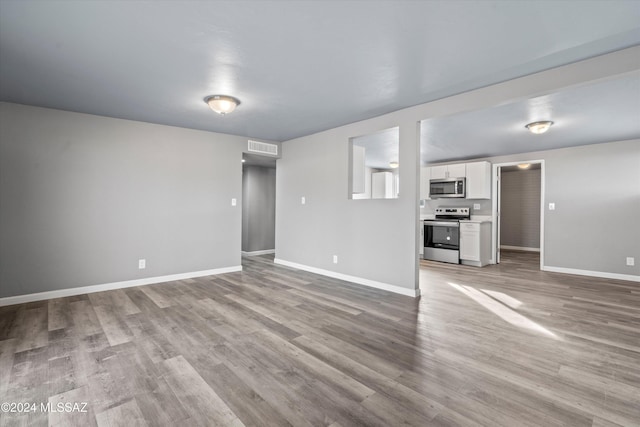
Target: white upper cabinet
{"type": "Point", "coordinates": [438, 172]}
{"type": "Point", "coordinates": [478, 180]}
{"type": "Point", "coordinates": [457, 171]}
{"type": "Point", "coordinates": [448, 171]}
{"type": "Point", "coordinates": [478, 176]}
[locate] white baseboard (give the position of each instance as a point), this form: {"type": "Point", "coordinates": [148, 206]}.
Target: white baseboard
{"type": "Point", "coordinates": [264, 252]}
{"type": "Point", "coordinates": [359, 280]}
{"type": "Point", "coordinates": [19, 299]}
{"type": "Point", "coordinates": [603, 274]}
{"type": "Point", "coordinates": [520, 248]}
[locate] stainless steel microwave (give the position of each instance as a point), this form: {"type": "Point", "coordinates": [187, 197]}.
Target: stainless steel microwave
{"type": "Point", "coordinates": [449, 187]}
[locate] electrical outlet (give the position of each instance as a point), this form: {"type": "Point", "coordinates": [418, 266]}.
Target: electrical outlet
{"type": "Point", "coordinates": [142, 264]}
{"type": "Point", "coordinates": [234, 202]}
{"type": "Point", "coordinates": [631, 261]}
{"type": "Point", "coordinates": [303, 200]}
{"type": "Point", "coordinates": [335, 259]}
{"type": "Point", "coordinates": [552, 206]}
{"type": "Point", "coordinates": [476, 206]}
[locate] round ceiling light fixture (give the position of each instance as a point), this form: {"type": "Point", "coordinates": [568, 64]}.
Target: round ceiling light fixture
{"type": "Point", "coordinates": [394, 164]}
{"type": "Point", "coordinates": [222, 104]}
{"type": "Point", "coordinates": [524, 165]}
{"type": "Point", "coordinates": [539, 127]}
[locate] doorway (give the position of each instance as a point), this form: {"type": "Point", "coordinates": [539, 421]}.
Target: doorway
{"type": "Point", "coordinates": [258, 204]}
{"type": "Point", "coordinates": [518, 210]}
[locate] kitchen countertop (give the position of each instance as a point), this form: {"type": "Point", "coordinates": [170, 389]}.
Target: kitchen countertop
{"type": "Point", "coordinates": [478, 220]}
{"type": "Point", "coordinates": [474, 218]}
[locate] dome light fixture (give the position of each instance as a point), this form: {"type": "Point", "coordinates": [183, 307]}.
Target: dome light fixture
{"type": "Point", "coordinates": [222, 104]}
{"type": "Point", "coordinates": [524, 165]}
{"type": "Point", "coordinates": [539, 127]}
{"type": "Point", "coordinates": [394, 164]}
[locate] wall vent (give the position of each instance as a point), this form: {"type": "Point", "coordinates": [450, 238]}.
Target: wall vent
{"type": "Point", "coordinates": [263, 148]}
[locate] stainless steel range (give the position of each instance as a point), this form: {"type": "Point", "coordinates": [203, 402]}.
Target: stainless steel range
{"type": "Point", "coordinates": [442, 234]}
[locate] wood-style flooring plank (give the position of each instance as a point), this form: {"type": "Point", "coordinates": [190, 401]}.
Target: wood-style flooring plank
{"type": "Point", "coordinates": [203, 404]}
{"type": "Point", "coordinates": [243, 400]}
{"type": "Point", "coordinates": [71, 409]}
{"type": "Point", "coordinates": [59, 314]}
{"type": "Point", "coordinates": [157, 296]}
{"type": "Point", "coordinates": [33, 330]}
{"type": "Point", "coordinates": [114, 327]}
{"type": "Point", "coordinates": [504, 345]}
{"type": "Point", "coordinates": [126, 415]}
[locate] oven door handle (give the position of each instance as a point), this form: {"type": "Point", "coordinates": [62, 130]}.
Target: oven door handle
{"type": "Point", "coordinates": [443, 224]}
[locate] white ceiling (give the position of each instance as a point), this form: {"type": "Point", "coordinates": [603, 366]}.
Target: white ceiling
{"type": "Point", "coordinates": [297, 66]}
{"type": "Point", "coordinates": [600, 112]}
{"type": "Point", "coordinates": [381, 148]}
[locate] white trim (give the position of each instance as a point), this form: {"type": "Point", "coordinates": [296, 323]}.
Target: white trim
{"type": "Point", "coordinates": [264, 252]}
{"type": "Point", "coordinates": [359, 280]}
{"type": "Point", "coordinates": [494, 206]}
{"type": "Point", "coordinates": [603, 274]}
{"type": "Point", "coordinates": [19, 299]}
{"type": "Point", "coordinates": [520, 248]}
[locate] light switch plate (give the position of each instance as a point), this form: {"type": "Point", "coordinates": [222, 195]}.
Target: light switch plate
{"type": "Point", "coordinates": [303, 200]}
{"type": "Point", "coordinates": [631, 261]}
{"type": "Point", "coordinates": [476, 206]}
{"type": "Point", "coordinates": [234, 202]}
{"type": "Point", "coordinates": [552, 206]}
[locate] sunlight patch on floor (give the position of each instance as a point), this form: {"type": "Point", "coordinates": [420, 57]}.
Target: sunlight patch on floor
{"type": "Point", "coordinates": [503, 298]}
{"type": "Point", "coordinates": [502, 310]}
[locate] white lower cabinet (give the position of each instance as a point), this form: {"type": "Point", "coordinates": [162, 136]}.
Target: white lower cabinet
{"type": "Point", "coordinates": [475, 243]}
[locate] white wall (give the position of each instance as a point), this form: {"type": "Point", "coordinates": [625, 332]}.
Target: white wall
{"type": "Point", "coordinates": [378, 239]}
{"type": "Point", "coordinates": [366, 235]}
{"type": "Point", "coordinates": [596, 191]}
{"type": "Point", "coordinates": [83, 197]}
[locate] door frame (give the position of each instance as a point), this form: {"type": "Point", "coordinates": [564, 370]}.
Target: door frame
{"type": "Point", "coordinates": [495, 212]}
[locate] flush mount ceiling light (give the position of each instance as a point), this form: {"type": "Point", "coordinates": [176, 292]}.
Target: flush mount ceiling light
{"type": "Point", "coordinates": [539, 127]}
{"type": "Point", "coordinates": [222, 104]}
{"type": "Point", "coordinates": [394, 165]}
{"type": "Point", "coordinates": [524, 165]}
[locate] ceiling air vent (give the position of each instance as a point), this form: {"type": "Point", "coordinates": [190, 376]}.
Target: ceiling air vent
{"type": "Point", "coordinates": [263, 148]}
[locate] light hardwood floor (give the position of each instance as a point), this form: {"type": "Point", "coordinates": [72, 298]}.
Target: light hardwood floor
{"type": "Point", "coordinates": [504, 345]}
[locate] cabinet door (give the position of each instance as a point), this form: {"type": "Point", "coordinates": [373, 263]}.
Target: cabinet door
{"type": "Point", "coordinates": [479, 180]}
{"type": "Point", "coordinates": [425, 176]}
{"type": "Point", "coordinates": [457, 171]}
{"type": "Point", "coordinates": [470, 241]}
{"type": "Point", "coordinates": [438, 172]}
